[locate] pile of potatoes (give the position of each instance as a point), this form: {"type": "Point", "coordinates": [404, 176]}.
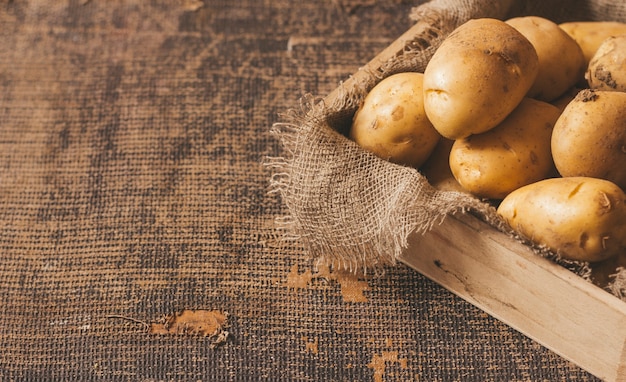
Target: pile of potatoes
{"type": "Point", "coordinates": [526, 113]}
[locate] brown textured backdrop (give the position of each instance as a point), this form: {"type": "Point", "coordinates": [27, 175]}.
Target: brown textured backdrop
{"type": "Point", "coordinates": [131, 188]}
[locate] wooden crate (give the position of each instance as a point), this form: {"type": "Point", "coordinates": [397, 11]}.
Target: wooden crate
{"type": "Point", "coordinates": [548, 303]}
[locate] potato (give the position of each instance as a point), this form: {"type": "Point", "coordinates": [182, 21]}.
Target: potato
{"type": "Point", "coordinates": [607, 68]}
{"type": "Point", "coordinates": [589, 138]}
{"type": "Point", "coordinates": [561, 60]}
{"type": "Point", "coordinates": [580, 218]}
{"type": "Point", "coordinates": [437, 168]}
{"type": "Point", "coordinates": [590, 34]}
{"type": "Point", "coordinates": [513, 154]}
{"type": "Point", "coordinates": [391, 121]}
{"type": "Point", "coordinates": [566, 98]}
{"type": "Point", "coordinates": [477, 76]}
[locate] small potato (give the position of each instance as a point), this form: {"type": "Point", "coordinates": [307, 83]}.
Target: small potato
{"type": "Point", "coordinates": [589, 138]}
{"type": "Point", "coordinates": [579, 218]}
{"type": "Point", "coordinates": [561, 61]}
{"type": "Point", "coordinates": [607, 68]}
{"type": "Point", "coordinates": [590, 34]}
{"type": "Point", "coordinates": [513, 154]}
{"type": "Point", "coordinates": [437, 168]}
{"type": "Point", "coordinates": [477, 76]}
{"type": "Point", "coordinates": [391, 121]}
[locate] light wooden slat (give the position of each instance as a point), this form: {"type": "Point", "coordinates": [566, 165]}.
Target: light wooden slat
{"type": "Point", "coordinates": [541, 299]}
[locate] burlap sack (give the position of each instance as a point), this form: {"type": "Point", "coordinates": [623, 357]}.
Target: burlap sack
{"type": "Point", "coordinates": [356, 210]}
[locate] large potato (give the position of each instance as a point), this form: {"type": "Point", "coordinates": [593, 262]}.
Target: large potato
{"type": "Point", "coordinates": [590, 34]}
{"type": "Point", "coordinates": [589, 138]}
{"type": "Point", "coordinates": [513, 154]}
{"type": "Point", "coordinates": [477, 76]}
{"type": "Point", "coordinates": [561, 61]}
{"type": "Point", "coordinates": [579, 218]}
{"type": "Point", "coordinates": [391, 121]}
{"type": "Point", "coordinates": [607, 68]}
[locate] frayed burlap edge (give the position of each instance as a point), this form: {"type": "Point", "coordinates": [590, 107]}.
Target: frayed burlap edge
{"type": "Point", "coordinates": [326, 200]}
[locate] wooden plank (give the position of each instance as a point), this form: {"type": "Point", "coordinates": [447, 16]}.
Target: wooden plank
{"type": "Point", "coordinates": [535, 296]}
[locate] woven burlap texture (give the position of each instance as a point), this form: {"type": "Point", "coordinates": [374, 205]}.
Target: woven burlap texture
{"type": "Point", "coordinates": [131, 135]}
{"type": "Point", "coordinates": [358, 210]}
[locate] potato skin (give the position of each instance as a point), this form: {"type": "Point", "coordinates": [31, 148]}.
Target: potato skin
{"type": "Point", "coordinates": [580, 218]}
{"type": "Point", "coordinates": [392, 124]}
{"type": "Point", "coordinates": [437, 168]}
{"type": "Point", "coordinates": [561, 60]}
{"type": "Point", "coordinates": [590, 34]}
{"type": "Point", "coordinates": [566, 98]}
{"type": "Point", "coordinates": [477, 76]}
{"type": "Point", "coordinates": [607, 68]}
{"type": "Point", "coordinates": [589, 138]}
{"type": "Point", "coordinates": [513, 154]}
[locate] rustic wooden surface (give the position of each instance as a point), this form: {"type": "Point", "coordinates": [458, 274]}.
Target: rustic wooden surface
{"type": "Point", "coordinates": [136, 232]}
{"type": "Point", "coordinates": [543, 300]}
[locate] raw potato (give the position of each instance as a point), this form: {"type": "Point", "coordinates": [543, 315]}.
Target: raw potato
{"type": "Point", "coordinates": [579, 218]}
{"type": "Point", "coordinates": [561, 60]}
{"type": "Point", "coordinates": [589, 138]}
{"type": "Point", "coordinates": [566, 98]}
{"type": "Point", "coordinates": [477, 76]}
{"type": "Point", "coordinates": [392, 124]}
{"type": "Point", "coordinates": [437, 168]}
{"type": "Point", "coordinates": [607, 68]}
{"type": "Point", "coordinates": [513, 154]}
{"type": "Point", "coordinates": [591, 34]}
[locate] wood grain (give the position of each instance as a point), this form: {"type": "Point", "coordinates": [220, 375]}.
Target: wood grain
{"type": "Point", "coordinates": [541, 299]}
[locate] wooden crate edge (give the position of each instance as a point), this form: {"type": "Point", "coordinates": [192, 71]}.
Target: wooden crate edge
{"type": "Point", "coordinates": [533, 295]}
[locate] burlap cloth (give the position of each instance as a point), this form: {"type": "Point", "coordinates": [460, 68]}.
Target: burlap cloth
{"type": "Point", "coordinates": [137, 235]}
